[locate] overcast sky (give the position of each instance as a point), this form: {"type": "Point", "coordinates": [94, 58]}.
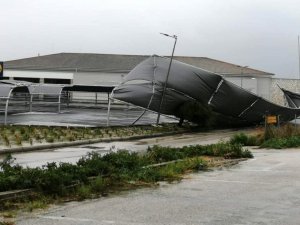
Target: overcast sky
{"type": "Point", "coordinates": [261, 34]}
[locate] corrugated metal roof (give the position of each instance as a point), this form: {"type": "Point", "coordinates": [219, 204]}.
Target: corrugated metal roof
{"type": "Point", "coordinates": [117, 63]}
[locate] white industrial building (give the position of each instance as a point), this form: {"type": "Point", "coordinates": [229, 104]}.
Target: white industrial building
{"type": "Point", "coordinates": [109, 69]}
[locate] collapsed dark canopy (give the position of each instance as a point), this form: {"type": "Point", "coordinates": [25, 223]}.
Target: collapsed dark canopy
{"type": "Point", "coordinates": [292, 98]}
{"type": "Point", "coordinates": [143, 87]}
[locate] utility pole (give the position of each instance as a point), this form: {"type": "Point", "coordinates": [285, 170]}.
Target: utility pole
{"type": "Point", "coordinates": [299, 56]}
{"type": "Point", "coordinates": [168, 73]}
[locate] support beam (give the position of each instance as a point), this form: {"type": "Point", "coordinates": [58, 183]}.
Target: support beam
{"type": "Point", "coordinates": [6, 106]}
{"type": "Point", "coordinates": [108, 113]}
{"type": "Point", "coordinates": [30, 103]}
{"type": "Point", "coordinates": [248, 107]}
{"type": "Point", "coordinates": [6, 109]}
{"type": "Point", "coordinates": [216, 91]}
{"type": "Point", "coordinates": [139, 117]}
{"type": "Point", "coordinates": [59, 101]}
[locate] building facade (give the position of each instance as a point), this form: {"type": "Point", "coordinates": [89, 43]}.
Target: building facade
{"type": "Point", "coordinates": [109, 69]}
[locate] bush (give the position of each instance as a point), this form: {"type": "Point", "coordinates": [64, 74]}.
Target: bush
{"type": "Point", "coordinates": [279, 143]}
{"type": "Point", "coordinates": [111, 170]}
{"type": "Point", "coordinates": [245, 140]}
{"type": "Point", "coordinates": [240, 138]}
{"type": "Point", "coordinates": [99, 185]}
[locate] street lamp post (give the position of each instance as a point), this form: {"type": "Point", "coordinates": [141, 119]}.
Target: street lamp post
{"type": "Point", "coordinates": [299, 55]}
{"type": "Point", "coordinates": [168, 73]}
{"type": "Point", "coordinates": [242, 74]}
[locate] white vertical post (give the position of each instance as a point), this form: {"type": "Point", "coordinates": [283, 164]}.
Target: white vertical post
{"type": "Point", "coordinates": [6, 108]}
{"type": "Point", "coordinates": [108, 113]}
{"type": "Point", "coordinates": [30, 103]}
{"type": "Point", "coordinates": [59, 100]}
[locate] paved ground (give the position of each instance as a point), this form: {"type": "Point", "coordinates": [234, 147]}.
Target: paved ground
{"type": "Point", "coordinates": [264, 190]}
{"type": "Point", "coordinates": [81, 115]}
{"type": "Point", "coordinates": [72, 154]}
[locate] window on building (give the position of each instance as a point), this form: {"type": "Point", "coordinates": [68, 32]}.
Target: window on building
{"type": "Point", "coordinates": [33, 80]}
{"type": "Point", "coordinates": [57, 81]}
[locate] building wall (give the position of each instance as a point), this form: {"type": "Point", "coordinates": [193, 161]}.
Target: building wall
{"type": "Point", "coordinates": [257, 85]}
{"type": "Point", "coordinates": [264, 87]}
{"type": "Point", "coordinates": [95, 78]}
{"type": "Point", "coordinates": [38, 74]}
{"type": "Point", "coordinates": [289, 84]}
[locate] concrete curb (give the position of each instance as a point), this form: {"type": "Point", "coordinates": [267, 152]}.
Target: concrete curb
{"type": "Point", "coordinates": [85, 142]}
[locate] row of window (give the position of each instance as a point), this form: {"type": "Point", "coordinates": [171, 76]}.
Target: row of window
{"type": "Point", "coordinates": [46, 80]}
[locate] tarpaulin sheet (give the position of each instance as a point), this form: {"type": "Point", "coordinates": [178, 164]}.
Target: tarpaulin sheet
{"type": "Point", "coordinates": [292, 98]}
{"type": "Point", "coordinates": [6, 89]}
{"type": "Point", "coordinates": [143, 87]}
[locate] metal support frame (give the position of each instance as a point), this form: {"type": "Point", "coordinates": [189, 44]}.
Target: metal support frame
{"type": "Point", "coordinates": [6, 106]}
{"type": "Point", "coordinates": [68, 98]}
{"type": "Point", "coordinates": [30, 103]}
{"type": "Point", "coordinates": [108, 111]}
{"type": "Point", "coordinates": [153, 92]}
{"type": "Point", "coordinates": [288, 97]}
{"type": "Point", "coordinates": [245, 110]}
{"type": "Point", "coordinates": [215, 92]}
{"type": "Point", "coordinates": [143, 113]}
{"type": "Point", "coordinates": [39, 94]}
{"type": "Point", "coordinates": [168, 73]}
{"type": "Point", "coordinates": [59, 102]}
{"type": "Point", "coordinates": [5, 114]}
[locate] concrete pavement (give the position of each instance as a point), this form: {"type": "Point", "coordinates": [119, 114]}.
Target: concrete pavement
{"type": "Point", "coordinates": [264, 190]}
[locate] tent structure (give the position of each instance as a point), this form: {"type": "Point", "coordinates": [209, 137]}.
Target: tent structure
{"type": "Point", "coordinates": [144, 85]}
{"type": "Point", "coordinates": [292, 98]}
{"type": "Point", "coordinates": [8, 87]}
{"type": "Point", "coordinates": [6, 90]}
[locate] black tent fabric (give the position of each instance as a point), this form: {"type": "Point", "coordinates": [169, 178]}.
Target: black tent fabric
{"type": "Point", "coordinates": [292, 98]}
{"type": "Point", "coordinates": [143, 87]}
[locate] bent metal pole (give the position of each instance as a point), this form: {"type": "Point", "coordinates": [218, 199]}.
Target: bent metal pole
{"type": "Point", "coordinates": [168, 73]}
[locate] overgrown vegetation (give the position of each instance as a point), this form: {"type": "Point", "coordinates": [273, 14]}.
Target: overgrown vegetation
{"type": "Point", "coordinates": [286, 136]}
{"type": "Point", "coordinates": [96, 174]}
{"type": "Point", "coordinates": [30, 135]}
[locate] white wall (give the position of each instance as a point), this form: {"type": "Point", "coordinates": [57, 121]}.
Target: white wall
{"type": "Point", "coordinates": [277, 95]}
{"type": "Point", "coordinates": [38, 74]}
{"type": "Point", "coordinates": [264, 87]}
{"type": "Point", "coordinates": [257, 85]}
{"type": "Point", "coordinates": [95, 78]}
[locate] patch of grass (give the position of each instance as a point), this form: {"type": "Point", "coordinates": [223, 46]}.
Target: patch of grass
{"type": "Point", "coordinates": [36, 204]}
{"type": "Point", "coordinates": [246, 140]}
{"type": "Point", "coordinates": [84, 192]}
{"type": "Point", "coordinates": [286, 136]}
{"type": "Point", "coordinates": [279, 143]}
{"type": "Point", "coordinates": [99, 185]}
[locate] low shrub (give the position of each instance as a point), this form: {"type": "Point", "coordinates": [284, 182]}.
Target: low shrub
{"type": "Point", "coordinates": [279, 143]}
{"type": "Point", "coordinates": [247, 140]}
{"type": "Point", "coordinates": [240, 138]}
{"type": "Point", "coordinates": [114, 169]}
